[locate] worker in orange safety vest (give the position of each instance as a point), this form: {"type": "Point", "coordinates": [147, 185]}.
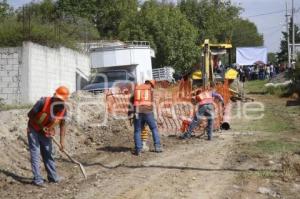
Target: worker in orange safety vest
{"type": "Point", "coordinates": [143, 114]}
{"type": "Point", "coordinates": [46, 114]}
{"type": "Point", "coordinates": [205, 108]}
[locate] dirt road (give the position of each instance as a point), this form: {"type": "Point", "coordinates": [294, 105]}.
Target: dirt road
{"type": "Point", "coordinates": [187, 169]}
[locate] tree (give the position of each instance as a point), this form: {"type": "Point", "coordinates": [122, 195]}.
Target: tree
{"type": "Point", "coordinates": [5, 9]}
{"type": "Point", "coordinates": [245, 34]}
{"type": "Point", "coordinates": [272, 58]}
{"type": "Point", "coordinates": [44, 23]}
{"type": "Point", "coordinates": [171, 35]}
{"type": "Point", "coordinates": [213, 19]}
{"type": "Point", "coordinates": [106, 15]}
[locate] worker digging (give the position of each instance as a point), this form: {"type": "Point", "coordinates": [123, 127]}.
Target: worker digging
{"type": "Point", "coordinates": [46, 114]}
{"type": "Point", "coordinates": [205, 108]}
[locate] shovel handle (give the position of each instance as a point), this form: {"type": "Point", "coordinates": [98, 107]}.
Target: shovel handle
{"type": "Point", "coordinates": [73, 160]}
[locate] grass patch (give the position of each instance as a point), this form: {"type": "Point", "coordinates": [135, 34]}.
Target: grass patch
{"type": "Point", "coordinates": [255, 86]}
{"type": "Point", "coordinates": [269, 147]}
{"type": "Point", "coordinates": [278, 91]}
{"type": "Point", "coordinates": [6, 107]}
{"type": "Point", "coordinates": [275, 146]}
{"type": "Point", "coordinates": [276, 116]}
{"type": "Point", "coordinates": [266, 174]}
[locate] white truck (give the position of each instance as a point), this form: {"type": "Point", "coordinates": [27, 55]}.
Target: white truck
{"type": "Point", "coordinates": [119, 61]}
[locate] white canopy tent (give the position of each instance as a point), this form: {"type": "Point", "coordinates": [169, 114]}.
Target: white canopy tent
{"type": "Point", "coordinates": [250, 55]}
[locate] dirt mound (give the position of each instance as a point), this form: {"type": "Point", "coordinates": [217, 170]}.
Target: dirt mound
{"type": "Point", "coordinates": [89, 127]}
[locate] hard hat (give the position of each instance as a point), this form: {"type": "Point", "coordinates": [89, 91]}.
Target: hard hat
{"type": "Point", "coordinates": [62, 93]}
{"type": "Point", "coordinates": [152, 82]}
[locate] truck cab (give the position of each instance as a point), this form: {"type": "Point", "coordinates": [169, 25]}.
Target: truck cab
{"type": "Point", "coordinates": [110, 80]}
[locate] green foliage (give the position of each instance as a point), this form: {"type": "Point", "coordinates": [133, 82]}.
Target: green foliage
{"type": "Point", "coordinates": [5, 9]}
{"type": "Point", "coordinates": [283, 54]}
{"type": "Point", "coordinates": [106, 15]}
{"type": "Point", "coordinates": [43, 23]}
{"type": "Point", "coordinates": [272, 58]}
{"type": "Point", "coordinates": [11, 32]}
{"type": "Point", "coordinates": [275, 146]}
{"type": "Point", "coordinates": [6, 107]}
{"type": "Point", "coordinates": [297, 71]}
{"type": "Point", "coordinates": [175, 32]}
{"type": "Point", "coordinates": [245, 34]}
{"type": "Point", "coordinates": [213, 19]}
{"type": "Point", "coordinates": [171, 35]}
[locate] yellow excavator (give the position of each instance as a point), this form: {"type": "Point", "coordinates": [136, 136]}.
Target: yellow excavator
{"type": "Point", "coordinates": [210, 58]}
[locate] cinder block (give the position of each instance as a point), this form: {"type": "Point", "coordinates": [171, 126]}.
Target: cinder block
{"type": "Point", "coordinates": [12, 61]}
{"type": "Point", "coordinates": [7, 90]}
{"type": "Point", "coordinates": [12, 73]}
{"type": "Point", "coordinates": [3, 56]}
{"type": "Point", "coordinates": [16, 55]}
{"type": "Point", "coordinates": [3, 73]}
{"type": "Point", "coordinates": [6, 79]}
{"type": "Point", "coordinates": [3, 61]}
{"type": "Point", "coordinates": [15, 67]}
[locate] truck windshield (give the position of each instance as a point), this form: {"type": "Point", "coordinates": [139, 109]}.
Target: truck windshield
{"type": "Point", "coordinates": [111, 77]}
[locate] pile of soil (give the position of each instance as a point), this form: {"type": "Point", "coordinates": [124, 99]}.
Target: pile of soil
{"type": "Point", "coordinates": [88, 127]}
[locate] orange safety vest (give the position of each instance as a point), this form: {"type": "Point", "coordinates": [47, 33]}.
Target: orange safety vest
{"type": "Point", "coordinates": [143, 95]}
{"type": "Point", "coordinates": [205, 97]}
{"type": "Point", "coordinates": [42, 120]}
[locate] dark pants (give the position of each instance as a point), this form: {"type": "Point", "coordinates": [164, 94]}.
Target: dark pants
{"type": "Point", "coordinates": [140, 120]}
{"type": "Point", "coordinates": [40, 144]}
{"type": "Point", "coordinates": [206, 110]}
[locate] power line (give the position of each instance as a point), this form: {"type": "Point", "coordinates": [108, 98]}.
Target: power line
{"type": "Point", "coordinates": [268, 13]}
{"type": "Point", "coordinates": [297, 10]}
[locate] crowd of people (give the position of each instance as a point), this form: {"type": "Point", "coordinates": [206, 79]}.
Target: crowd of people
{"type": "Point", "coordinates": [259, 72]}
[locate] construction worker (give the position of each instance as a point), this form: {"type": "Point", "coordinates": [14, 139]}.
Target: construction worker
{"type": "Point", "coordinates": [205, 107]}
{"type": "Point", "coordinates": [143, 109]}
{"type": "Point", "coordinates": [185, 86]}
{"type": "Point", "coordinates": [46, 114]}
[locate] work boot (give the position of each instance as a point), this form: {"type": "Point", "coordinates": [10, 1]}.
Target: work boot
{"type": "Point", "coordinates": [145, 147]}
{"type": "Point", "coordinates": [136, 153]}
{"type": "Point", "coordinates": [185, 136]}
{"type": "Point", "coordinates": [158, 150]}
{"type": "Point", "coordinates": [40, 185]}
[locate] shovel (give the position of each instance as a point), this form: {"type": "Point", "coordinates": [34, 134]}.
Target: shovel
{"type": "Point", "coordinates": [73, 160]}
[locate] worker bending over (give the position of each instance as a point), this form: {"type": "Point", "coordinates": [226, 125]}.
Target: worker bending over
{"type": "Point", "coordinates": [46, 114]}
{"type": "Point", "coordinates": [205, 107]}
{"type": "Point", "coordinates": [143, 114]}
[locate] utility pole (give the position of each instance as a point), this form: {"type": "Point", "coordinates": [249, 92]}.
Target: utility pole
{"type": "Point", "coordinates": [293, 39]}
{"type": "Point", "coordinates": [288, 36]}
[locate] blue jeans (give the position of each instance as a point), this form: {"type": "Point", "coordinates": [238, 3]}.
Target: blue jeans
{"type": "Point", "coordinates": [40, 144]}
{"type": "Point", "coordinates": [139, 122]}
{"type": "Point", "coordinates": [206, 110]}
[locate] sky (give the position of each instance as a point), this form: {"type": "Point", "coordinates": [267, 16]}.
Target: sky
{"type": "Point", "coordinates": [270, 25]}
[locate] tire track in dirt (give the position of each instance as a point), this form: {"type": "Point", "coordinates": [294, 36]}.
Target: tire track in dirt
{"type": "Point", "coordinates": [190, 170]}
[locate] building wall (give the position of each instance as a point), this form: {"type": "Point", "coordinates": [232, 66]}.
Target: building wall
{"type": "Point", "coordinates": [40, 71]}
{"type": "Point", "coordinates": [10, 74]}
{"type": "Point", "coordinates": [49, 68]}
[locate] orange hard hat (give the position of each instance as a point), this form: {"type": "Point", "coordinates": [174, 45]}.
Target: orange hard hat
{"type": "Point", "coordinates": [152, 82]}
{"type": "Point", "coordinates": [62, 93]}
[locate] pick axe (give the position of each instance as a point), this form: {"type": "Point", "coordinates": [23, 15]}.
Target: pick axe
{"type": "Point", "coordinates": [73, 160]}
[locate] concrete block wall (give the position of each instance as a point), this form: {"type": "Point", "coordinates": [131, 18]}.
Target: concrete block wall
{"type": "Point", "coordinates": [32, 71]}
{"type": "Point", "coordinates": [49, 68]}
{"type": "Point", "coordinates": [10, 74]}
